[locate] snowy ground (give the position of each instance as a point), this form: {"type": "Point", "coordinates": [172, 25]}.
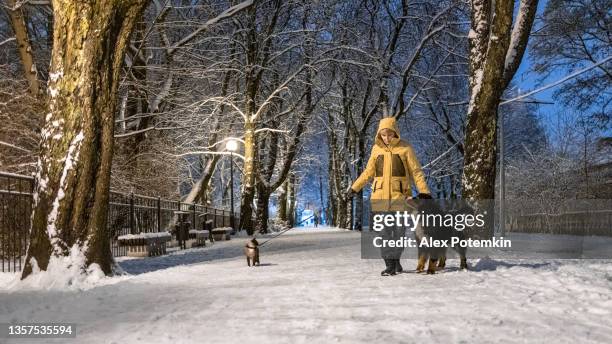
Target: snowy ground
{"type": "Point", "coordinates": [313, 287]}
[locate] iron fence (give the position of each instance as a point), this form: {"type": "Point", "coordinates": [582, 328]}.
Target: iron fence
{"type": "Point", "coordinates": [581, 217]}
{"type": "Point", "coordinates": [127, 214]}
{"type": "Point", "coordinates": [15, 209]}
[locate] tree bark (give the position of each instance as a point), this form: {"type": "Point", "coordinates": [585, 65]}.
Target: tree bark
{"type": "Point", "coordinates": [359, 196]}
{"type": "Point", "coordinates": [292, 201]}
{"type": "Point", "coordinates": [331, 195]}
{"type": "Point", "coordinates": [282, 201]}
{"type": "Point", "coordinates": [265, 170]}
{"type": "Point", "coordinates": [322, 204]}
{"type": "Point", "coordinates": [495, 54]}
{"type": "Point", "coordinates": [73, 172]}
{"type": "Point", "coordinates": [248, 179]}
{"type": "Point", "coordinates": [262, 211]}
{"type": "Point", "coordinates": [23, 46]}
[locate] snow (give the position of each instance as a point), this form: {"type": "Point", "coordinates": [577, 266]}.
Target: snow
{"type": "Point", "coordinates": [477, 34]}
{"type": "Point", "coordinates": [472, 34]}
{"type": "Point", "coordinates": [55, 76]}
{"type": "Point", "coordinates": [313, 287]}
{"type": "Point", "coordinates": [520, 25]}
{"type": "Point", "coordinates": [70, 159]}
{"type": "Point", "coordinates": [145, 236]}
{"type": "Point", "coordinates": [63, 273]}
{"type": "Point", "coordinates": [322, 229]}
{"type": "Point", "coordinates": [478, 79]}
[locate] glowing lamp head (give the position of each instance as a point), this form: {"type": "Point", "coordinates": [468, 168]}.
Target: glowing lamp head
{"type": "Point", "coordinates": [231, 145]}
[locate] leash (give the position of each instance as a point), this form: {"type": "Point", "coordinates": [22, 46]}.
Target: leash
{"type": "Point", "coordinates": [283, 231]}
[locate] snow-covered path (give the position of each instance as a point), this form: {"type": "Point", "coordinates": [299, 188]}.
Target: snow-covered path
{"type": "Point", "coordinates": [313, 287]}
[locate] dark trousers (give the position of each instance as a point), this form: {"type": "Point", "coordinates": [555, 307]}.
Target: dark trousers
{"type": "Point", "coordinates": [392, 233]}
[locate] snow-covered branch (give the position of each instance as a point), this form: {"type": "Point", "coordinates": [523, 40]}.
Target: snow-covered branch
{"type": "Point", "coordinates": [558, 82]}
{"type": "Point", "coordinates": [272, 130]}
{"type": "Point", "coordinates": [7, 40]}
{"type": "Point", "coordinates": [190, 153]}
{"type": "Point", "coordinates": [14, 147]}
{"type": "Point", "coordinates": [225, 14]}
{"type": "Point", "coordinates": [519, 37]}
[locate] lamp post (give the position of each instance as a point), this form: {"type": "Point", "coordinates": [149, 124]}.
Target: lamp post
{"type": "Point", "coordinates": [231, 146]}
{"type": "Point", "coordinates": [502, 180]}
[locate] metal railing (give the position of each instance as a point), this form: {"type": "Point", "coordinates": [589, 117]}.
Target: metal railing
{"type": "Point", "coordinates": [15, 211]}
{"type": "Point", "coordinates": [127, 214]}
{"type": "Point", "coordinates": [581, 217]}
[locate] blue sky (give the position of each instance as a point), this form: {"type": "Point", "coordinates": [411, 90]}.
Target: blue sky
{"type": "Point", "coordinates": [527, 81]}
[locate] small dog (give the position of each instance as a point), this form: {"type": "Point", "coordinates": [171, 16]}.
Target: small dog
{"type": "Point", "coordinates": [251, 251]}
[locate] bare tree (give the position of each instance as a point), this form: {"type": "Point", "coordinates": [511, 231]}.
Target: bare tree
{"type": "Point", "coordinates": [571, 34]}
{"type": "Point", "coordinates": [19, 26]}
{"type": "Point", "coordinates": [73, 173]}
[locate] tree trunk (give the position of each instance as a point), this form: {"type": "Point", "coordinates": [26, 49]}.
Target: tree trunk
{"type": "Point", "coordinates": [73, 172]}
{"type": "Point", "coordinates": [282, 201]}
{"type": "Point", "coordinates": [292, 200]}
{"type": "Point", "coordinates": [198, 191]}
{"type": "Point", "coordinates": [261, 213]}
{"type": "Point", "coordinates": [331, 196]}
{"type": "Point", "coordinates": [359, 196]}
{"type": "Point", "coordinates": [496, 50]}
{"type": "Point", "coordinates": [23, 46]}
{"type": "Point", "coordinates": [206, 179]}
{"type": "Point", "coordinates": [349, 215]}
{"type": "Point", "coordinates": [322, 204]}
{"type": "Point", "coordinates": [248, 179]}
{"type": "Point", "coordinates": [341, 215]}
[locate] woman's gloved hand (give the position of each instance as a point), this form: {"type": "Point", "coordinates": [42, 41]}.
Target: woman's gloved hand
{"type": "Point", "coordinates": [348, 193]}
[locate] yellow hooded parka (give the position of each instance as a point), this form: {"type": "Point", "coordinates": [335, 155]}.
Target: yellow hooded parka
{"type": "Point", "coordinates": [394, 167]}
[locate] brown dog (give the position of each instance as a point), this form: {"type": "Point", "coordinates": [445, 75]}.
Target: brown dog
{"type": "Point", "coordinates": [251, 251]}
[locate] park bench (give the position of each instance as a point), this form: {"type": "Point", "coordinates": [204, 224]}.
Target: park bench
{"type": "Point", "coordinates": [222, 233]}
{"type": "Point", "coordinates": [199, 236]}
{"type": "Point", "coordinates": [145, 244]}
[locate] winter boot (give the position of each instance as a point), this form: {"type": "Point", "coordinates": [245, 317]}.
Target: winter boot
{"type": "Point", "coordinates": [390, 270]}
{"type": "Point", "coordinates": [398, 266]}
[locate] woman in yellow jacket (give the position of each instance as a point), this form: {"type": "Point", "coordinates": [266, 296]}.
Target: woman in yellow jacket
{"type": "Point", "coordinates": [394, 167]}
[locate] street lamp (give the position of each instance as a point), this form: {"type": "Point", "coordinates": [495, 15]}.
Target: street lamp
{"type": "Point", "coordinates": [231, 145]}
{"type": "Point", "coordinates": [502, 179]}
